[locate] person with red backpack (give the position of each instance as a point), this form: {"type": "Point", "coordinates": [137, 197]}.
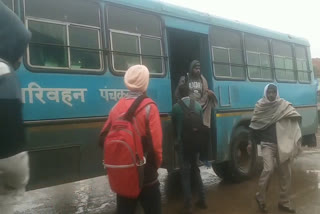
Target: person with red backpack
{"type": "Point", "coordinates": [132, 142]}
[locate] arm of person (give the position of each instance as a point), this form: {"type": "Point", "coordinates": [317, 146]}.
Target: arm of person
{"type": "Point", "coordinates": [174, 119]}
{"type": "Point", "coordinates": [175, 123]}
{"type": "Point", "coordinates": [182, 80]}
{"type": "Point", "coordinates": [105, 130]}
{"type": "Point", "coordinates": [156, 133]}
{"type": "Point", "coordinates": [253, 138]}
{"type": "Point", "coordinates": [213, 97]}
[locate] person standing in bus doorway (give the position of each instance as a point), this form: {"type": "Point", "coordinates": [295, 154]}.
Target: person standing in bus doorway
{"type": "Point", "coordinates": [148, 124]}
{"type": "Point", "coordinates": [187, 143]}
{"type": "Point", "coordinates": [14, 160]}
{"type": "Point", "coordinates": [275, 124]}
{"type": "Point", "coordinates": [199, 91]}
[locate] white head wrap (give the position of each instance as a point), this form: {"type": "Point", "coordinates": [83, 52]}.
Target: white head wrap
{"type": "Point", "coordinates": [137, 78]}
{"type": "Point", "coordinates": [265, 91]}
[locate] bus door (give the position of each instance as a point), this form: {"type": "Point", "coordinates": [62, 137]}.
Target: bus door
{"type": "Point", "coordinates": [185, 46]}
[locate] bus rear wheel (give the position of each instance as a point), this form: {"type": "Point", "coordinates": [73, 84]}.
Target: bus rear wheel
{"type": "Point", "coordinates": [242, 162]}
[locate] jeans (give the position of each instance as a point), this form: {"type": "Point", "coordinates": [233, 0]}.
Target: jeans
{"type": "Point", "coordinates": [189, 167]}
{"type": "Point", "coordinates": [149, 198]}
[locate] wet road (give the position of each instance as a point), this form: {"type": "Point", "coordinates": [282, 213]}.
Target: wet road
{"type": "Point", "coordinates": [94, 196]}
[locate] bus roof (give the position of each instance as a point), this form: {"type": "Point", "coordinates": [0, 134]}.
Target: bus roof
{"type": "Point", "coordinates": [193, 15]}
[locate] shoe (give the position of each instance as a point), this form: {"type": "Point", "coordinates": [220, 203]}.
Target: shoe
{"type": "Point", "coordinates": [262, 206]}
{"type": "Point", "coordinates": [202, 205]}
{"type": "Point", "coordinates": [286, 209]}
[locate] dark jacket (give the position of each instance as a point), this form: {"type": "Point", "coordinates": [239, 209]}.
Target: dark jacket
{"type": "Point", "coordinates": [177, 116]}
{"type": "Point", "coordinates": [14, 38]}
{"type": "Point", "coordinates": [268, 134]}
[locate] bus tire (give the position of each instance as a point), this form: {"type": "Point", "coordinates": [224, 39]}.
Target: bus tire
{"type": "Point", "coordinates": [222, 170]}
{"type": "Point", "coordinates": [241, 165]}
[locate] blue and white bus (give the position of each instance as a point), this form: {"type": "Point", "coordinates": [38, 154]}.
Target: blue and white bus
{"type": "Point", "coordinates": [73, 71]}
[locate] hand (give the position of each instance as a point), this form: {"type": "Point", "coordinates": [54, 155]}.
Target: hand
{"type": "Point", "coordinates": [210, 93]}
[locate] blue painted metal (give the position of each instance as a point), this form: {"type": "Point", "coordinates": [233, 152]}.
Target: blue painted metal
{"type": "Point", "coordinates": [186, 25]}
{"type": "Point", "coordinates": [244, 94]}
{"type": "Point", "coordinates": [93, 106]}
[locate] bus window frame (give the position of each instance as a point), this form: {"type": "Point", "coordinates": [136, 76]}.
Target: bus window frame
{"type": "Point", "coordinates": [211, 45]}
{"type": "Point", "coordinates": [270, 55]}
{"type": "Point", "coordinates": [109, 31]}
{"type": "Point", "coordinates": [309, 71]}
{"type": "Point", "coordinates": [67, 70]}
{"type": "Point", "coordinates": [293, 63]}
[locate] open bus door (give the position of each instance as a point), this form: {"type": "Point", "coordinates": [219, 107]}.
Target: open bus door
{"type": "Point", "coordinates": [185, 46]}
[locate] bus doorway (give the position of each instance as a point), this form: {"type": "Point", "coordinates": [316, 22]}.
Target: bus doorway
{"type": "Point", "coordinates": [185, 46]}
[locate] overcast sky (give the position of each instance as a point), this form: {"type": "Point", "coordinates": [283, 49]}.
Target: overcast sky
{"type": "Point", "coordinates": [297, 17]}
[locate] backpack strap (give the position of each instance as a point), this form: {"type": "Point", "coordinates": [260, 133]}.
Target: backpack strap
{"type": "Point", "coordinates": [148, 131]}
{"type": "Point", "coordinates": [192, 104]}
{"type": "Point", "coordinates": [133, 108]}
{"type": "Point", "coordinates": [186, 78]}
{"type": "Point", "coordinates": [184, 107]}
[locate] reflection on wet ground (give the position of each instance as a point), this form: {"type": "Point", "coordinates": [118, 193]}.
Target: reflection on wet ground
{"type": "Point", "coordinates": [94, 195]}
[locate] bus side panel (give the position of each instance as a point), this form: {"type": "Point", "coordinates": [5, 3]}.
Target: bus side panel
{"type": "Point", "coordinates": [224, 131]}
{"type": "Point", "coordinates": [309, 122]}
{"type": "Point", "coordinates": [56, 96]}
{"type": "Point", "coordinates": [61, 153]}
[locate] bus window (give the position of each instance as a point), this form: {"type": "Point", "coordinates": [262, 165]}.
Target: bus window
{"type": "Point", "coordinates": [86, 39]}
{"type": "Point", "coordinates": [54, 55]}
{"type": "Point", "coordinates": [9, 3]}
{"type": "Point", "coordinates": [302, 65]}
{"type": "Point", "coordinates": [135, 39]}
{"type": "Point", "coordinates": [283, 61]}
{"type": "Point", "coordinates": [227, 54]}
{"type": "Point", "coordinates": [258, 58]}
{"type": "Point", "coordinates": [62, 37]}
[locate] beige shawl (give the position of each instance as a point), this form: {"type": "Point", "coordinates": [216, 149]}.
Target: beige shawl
{"type": "Point", "coordinates": [287, 121]}
{"type": "Point", "coordinates": [205, 101]}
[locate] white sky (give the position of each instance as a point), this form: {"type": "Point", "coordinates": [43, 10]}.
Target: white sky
{"type": "Point", "coordinates": [296, 17]}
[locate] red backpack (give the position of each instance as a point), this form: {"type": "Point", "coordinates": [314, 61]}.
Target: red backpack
{"type": "Point", "coordinates": [124, 157]}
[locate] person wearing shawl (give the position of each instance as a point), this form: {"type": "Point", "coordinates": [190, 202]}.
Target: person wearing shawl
{"type": "Point", "coordinates": [199, 91]}
{"type": "Point", "coordinates": [275, 124]}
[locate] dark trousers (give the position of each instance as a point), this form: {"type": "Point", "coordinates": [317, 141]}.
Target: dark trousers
{"type": "Point", "coordinates": [149, 198]}
{"type": "Point", "coordinates": [189, 167]}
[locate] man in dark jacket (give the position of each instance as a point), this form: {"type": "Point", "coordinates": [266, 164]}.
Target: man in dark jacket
{"type": "Point", "coordinates": [188, 158]}
{"type": "Point", "coordinates": [14, 161]}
